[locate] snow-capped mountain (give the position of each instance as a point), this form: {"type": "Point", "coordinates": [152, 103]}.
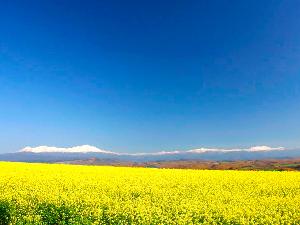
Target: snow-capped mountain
{"type": "Point", "coordinates": [55, 154]}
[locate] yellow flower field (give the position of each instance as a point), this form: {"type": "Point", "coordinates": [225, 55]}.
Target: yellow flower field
{"type": "Point", "coordinates": [67, 194]}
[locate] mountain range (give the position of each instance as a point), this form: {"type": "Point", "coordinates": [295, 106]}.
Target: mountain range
{"type": "Point", "coordinates": [54, 154]}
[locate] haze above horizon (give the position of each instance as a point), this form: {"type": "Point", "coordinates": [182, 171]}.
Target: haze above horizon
{"type": "Point", "coordinates": [140, 76]}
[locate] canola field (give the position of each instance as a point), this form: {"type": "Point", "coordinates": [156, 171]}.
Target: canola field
{"type": "Point", "coordinates": [67, 194]}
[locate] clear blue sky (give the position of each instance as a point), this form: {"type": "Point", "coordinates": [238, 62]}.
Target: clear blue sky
{"type": "Point", "coordinates": [134, 76]}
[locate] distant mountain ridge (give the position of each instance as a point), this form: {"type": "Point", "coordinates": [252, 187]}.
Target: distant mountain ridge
{"type": "Point", "coordinates": [93, 149]}
{"type": "Point", "coordinates": [53, 154]}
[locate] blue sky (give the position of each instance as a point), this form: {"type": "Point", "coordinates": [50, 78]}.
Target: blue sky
{"type": "Point", "coordinates": [133, 76]}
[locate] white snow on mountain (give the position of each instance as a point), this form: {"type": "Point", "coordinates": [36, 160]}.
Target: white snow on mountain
{"type": "Point", "coordinates": [76, 149]}
{"type": "Point", "coordinates": [93, 149]}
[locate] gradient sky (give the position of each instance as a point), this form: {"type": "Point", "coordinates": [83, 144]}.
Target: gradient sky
{"type": "Point", "coordinates": [133, 76]}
